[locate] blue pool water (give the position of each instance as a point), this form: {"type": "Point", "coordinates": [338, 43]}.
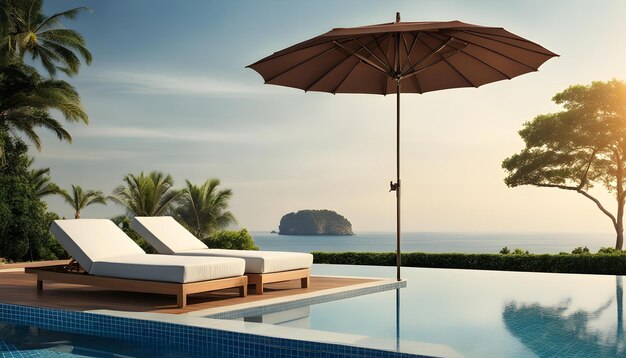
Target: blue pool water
{"type": "Point", "coordinates": [538, 243]}
{"type": "Point", "coordinates": [29, 341]}
{"type": "Point", "coordinates": [479, 313]}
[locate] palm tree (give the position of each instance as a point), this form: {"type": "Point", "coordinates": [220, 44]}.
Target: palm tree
{"type": "Point", "coordinates": [42, 183]}
{"type": "Point", "coordinates": [147, 195]}
{"type": "Point", "coordinates": [80, 199]}
{"type": "Point", "coordinates": [26, 100]}
{"type": "Point", "coordinates": [26, 30]}
{"type": "Point", "coordinates": [204, 208]}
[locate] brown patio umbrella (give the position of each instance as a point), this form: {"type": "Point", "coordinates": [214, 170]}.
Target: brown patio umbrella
{"type": "Point", "coordinates": [409, 57]}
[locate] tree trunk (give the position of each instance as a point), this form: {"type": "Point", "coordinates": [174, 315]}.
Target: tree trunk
{"type": "Point", "coordinates": [619, 225]}
{"type": "Point", "coordinates": [77, 216]}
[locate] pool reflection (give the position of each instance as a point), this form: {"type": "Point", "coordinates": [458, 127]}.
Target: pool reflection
{"type": "Point", "coordinates": [558, 330]}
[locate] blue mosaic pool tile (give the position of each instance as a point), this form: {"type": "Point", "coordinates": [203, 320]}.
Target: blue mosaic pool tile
{"type": "Point", "coordinates": [193, 341]}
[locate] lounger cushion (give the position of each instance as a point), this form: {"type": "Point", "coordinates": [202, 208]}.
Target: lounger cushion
{"type": "Point", "coordinates": [169, 268]}
{"type": "Point", "coordinates": [261, 261]}
{"type": "Point", "coordinates": [169, 237]}
{"type": "Point", "coordinates": [89, 240]}
{"type": "Point", "coordinates": [165, 234]}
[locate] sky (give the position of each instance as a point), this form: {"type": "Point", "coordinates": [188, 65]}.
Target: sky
{"type": "Point", "coordinates": [168, 90]}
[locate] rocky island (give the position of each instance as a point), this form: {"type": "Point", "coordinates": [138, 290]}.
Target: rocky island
{"type": "Point", "coordinates": [315, 222]}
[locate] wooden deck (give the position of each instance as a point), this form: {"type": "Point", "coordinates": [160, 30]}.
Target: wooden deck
{"type": "Point", "coordinates": [20, 288]}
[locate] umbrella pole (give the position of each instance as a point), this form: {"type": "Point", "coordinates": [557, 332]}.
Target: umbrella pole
{"type": "Point", "coordinates": [398, 256]}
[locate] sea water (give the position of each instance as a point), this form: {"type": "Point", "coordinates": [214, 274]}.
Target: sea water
{"type": "Point", "coordinates": [538, 243]}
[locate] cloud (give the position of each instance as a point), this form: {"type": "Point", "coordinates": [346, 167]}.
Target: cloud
{"type": "Point", "coordinates": [169, 134]}
{"type": "Point", "coordinates": [159, 83]}
{"type": "Point", "coordinates": [87, 155]}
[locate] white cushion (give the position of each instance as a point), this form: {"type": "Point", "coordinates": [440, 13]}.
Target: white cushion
{"type": "Point", "coordinates": [261, 261]}
{"type": "Point", "coordinates": [168, 268]}
{"type": "Point", "coordinates": [89, 240]}
{"type": "Point", "coordinates": [165, 234]}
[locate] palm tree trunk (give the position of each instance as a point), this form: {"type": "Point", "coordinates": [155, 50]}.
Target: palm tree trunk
{"type": "Point", "coordinates": [77, 215]}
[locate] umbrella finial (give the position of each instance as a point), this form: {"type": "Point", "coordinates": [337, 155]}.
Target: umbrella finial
{"type": "Point", "coordinates": [397, 17]}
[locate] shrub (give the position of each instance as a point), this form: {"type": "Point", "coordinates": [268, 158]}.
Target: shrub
{"type": "Point", "coordinates": [606, 264]}
{"type": "Point", "coordinates": [505, 251]}
{"type": "Point", "coordinates": [610, 250]}
{"type": "Point", "coordinates": [580, 250]}
{"type": "Point", "coordinates": [233, 240]}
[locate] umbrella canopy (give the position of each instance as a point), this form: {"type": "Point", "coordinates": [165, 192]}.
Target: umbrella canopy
{"type": "Point", "coordinates": [424, 56]}
{"type": "Point", "coordinates": [409, 57]}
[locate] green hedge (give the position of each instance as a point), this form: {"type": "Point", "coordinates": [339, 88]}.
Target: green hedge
{"type": "Point", "coordinates": [606, 264]}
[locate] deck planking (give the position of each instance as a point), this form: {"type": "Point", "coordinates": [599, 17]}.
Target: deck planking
{"type": "Point", "coordinates": [20, 288]}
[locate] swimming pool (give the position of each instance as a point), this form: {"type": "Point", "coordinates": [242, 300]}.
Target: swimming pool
{"type": "Point", "coordinates": [477, 313]}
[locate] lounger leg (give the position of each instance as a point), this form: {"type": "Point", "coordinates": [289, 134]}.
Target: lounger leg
{"type": "Point", "coordinates": [258, 288]}
{"type": "Point", "coordinates": [243, 290]}
{"type": "Point", "coordinates": [39, 285]}
{"type": "Point", "coordinates": [181, 299]}
{"type": "Point", "coordinates": [304, 282]}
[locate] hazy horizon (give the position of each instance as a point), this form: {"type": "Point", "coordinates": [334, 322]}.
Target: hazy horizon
{"type": "Point", "coordinates": [168, 90]}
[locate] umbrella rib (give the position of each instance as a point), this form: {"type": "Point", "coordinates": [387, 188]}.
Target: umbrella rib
{"type": "Point", "coordinates": [381, 49]}
{"type": "Point", "coordinates": [408, 59]}
{"type": "Point", "coordinates": [408, 53]}
{"type": "Point", "coordinates": [486, 36]}
{"type": "Point", "coordinates": [506, 43]}
{"type": "Point", "coordinates": [371, 53]}
{"type": "Point", "coordinates": [486, 64]}
{"type": "Point", "coordinates": [449, 64]}
{"type": "Point", "coordinates": [363, 59]}
{"type": "Point", "coordinates": [329, 71]}
{"type": "Point", "coordinates": [503, 55]}
{"type": "Point", "coordinates": [431, 54]}
{"type": "Point", "coordinates": [299, 64]}
{"type": "Point", "coordinates": [334, 91]}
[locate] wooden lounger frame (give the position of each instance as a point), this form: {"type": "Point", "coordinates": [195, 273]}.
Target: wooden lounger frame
{"type": "Point", "coordinates": [259, 279]}
{"type": "Point", "coordinates": [61, 273]}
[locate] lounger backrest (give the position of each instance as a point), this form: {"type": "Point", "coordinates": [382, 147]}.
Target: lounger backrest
{"type": "Point", "coordinates": [90, 240]}
{"type": "Point", "coordinates": [165, 234]}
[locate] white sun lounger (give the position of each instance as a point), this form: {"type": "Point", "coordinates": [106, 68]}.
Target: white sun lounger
{"type": "Point", "coordinates": [109, 258]}
{"type": "Point", "coordinates": [167, 236]}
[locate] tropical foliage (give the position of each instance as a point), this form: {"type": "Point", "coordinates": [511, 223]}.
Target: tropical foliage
{"type": "Point", "coordinates": [123, 222]}
{"type": "Point", "coordinates": [25, 30]}
{"type": "Point", "coordinates": [204, 209]}
{"type": "Point", "coordinates": [24, 220]}
{"type": "Point", "coordinates": [147, 195]}
{"type": "Point", "coordinates": [231, 240]}
{"type": "Point", "coordinates": [26, 102]}
{"type": "Point", "coordinates": [582, 146]}
{"type": "Point", "coordinates": [42, 182]}
{"type": "Point", "coordinates": [79, 199]}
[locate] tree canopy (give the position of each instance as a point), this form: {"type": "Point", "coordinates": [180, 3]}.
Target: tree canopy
{"type": "Point", "coordinates": [579, 147]}
{"type": "Point", "coordinates": [24, 29]}
{"type": "Point", "coordinates": [204, 209]}
{"type": "Point", "coordinates": [24, 220]}
{"type": "Point", "coordinates": [147, 195]}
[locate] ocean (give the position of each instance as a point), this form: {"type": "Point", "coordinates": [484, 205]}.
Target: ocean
{"type": "Point", "coordinates": [537, 243]}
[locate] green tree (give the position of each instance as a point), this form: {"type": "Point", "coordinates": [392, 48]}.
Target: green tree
{"type": "Point", "coordinates": [574, 149]}
{"type": "Point", "coordinates": [147, 195]}
{"type": "Point", "coordinates": [42, 183]}
{"type": "Point", "coordinates": [24, 221]}
{"type": "Point", "coordinates": [123, 222]}
{"type": "Point", "coordinates": [26, 102]}
{"type": "Point", "coordinates": [204, 209]}
{"type": "Point", "coordinates": [79, 199]}
{"type": "Point", "coordinates": [26, 30]}
{"type": "Point", "coordinates": [231, 240]}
